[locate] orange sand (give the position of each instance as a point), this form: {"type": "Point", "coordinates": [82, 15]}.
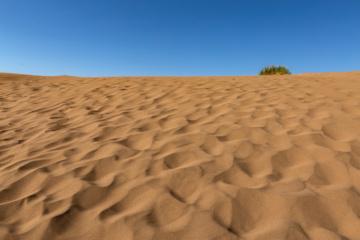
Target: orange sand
{"type": "Point", "coordinates": [185, 158]}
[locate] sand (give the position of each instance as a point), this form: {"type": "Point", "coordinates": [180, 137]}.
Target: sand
{"type": "Point", "coordinates": [185, 158]}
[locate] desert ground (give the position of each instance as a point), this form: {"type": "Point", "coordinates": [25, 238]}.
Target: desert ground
{"type": "Point", "coordinates": [180, 158]}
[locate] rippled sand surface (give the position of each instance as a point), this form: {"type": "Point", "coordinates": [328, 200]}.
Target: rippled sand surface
{"type": "Point", "coordinates": [185, 158]}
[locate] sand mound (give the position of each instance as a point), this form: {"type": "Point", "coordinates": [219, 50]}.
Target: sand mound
{"type": "Point", "coordinates": [213, 158]}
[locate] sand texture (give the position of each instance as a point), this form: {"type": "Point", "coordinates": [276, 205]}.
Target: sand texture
{"type": "Point", "coordinates": [185, 158]}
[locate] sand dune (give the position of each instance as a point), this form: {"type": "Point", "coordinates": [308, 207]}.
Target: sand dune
{"type": "Point", "coordinates": [202, 158]}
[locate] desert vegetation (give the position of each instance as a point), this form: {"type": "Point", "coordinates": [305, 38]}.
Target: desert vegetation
{"type": "Point", "coordinates": [271, 70]}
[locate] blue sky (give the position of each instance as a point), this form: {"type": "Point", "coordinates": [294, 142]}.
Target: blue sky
{"type": "Point", "coordinates": [178, 38]}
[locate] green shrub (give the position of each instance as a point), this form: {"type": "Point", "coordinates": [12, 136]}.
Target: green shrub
{"type": "Point", "coordinates": [270, 70]}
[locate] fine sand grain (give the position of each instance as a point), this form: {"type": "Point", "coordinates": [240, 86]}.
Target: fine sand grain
{"type": "Point", "coordinates": [185, 158]}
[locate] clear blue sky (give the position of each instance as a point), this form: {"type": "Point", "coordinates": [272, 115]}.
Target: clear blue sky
{"type": "Point", "coordinates": [178, 38]}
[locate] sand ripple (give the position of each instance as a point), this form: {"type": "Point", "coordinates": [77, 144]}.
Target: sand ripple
{"type": "Point", "coordinates": [218, 158]}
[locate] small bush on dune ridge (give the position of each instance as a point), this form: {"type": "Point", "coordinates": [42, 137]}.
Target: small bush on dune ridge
{"type": "Point", "coordinates": [270, 70]}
